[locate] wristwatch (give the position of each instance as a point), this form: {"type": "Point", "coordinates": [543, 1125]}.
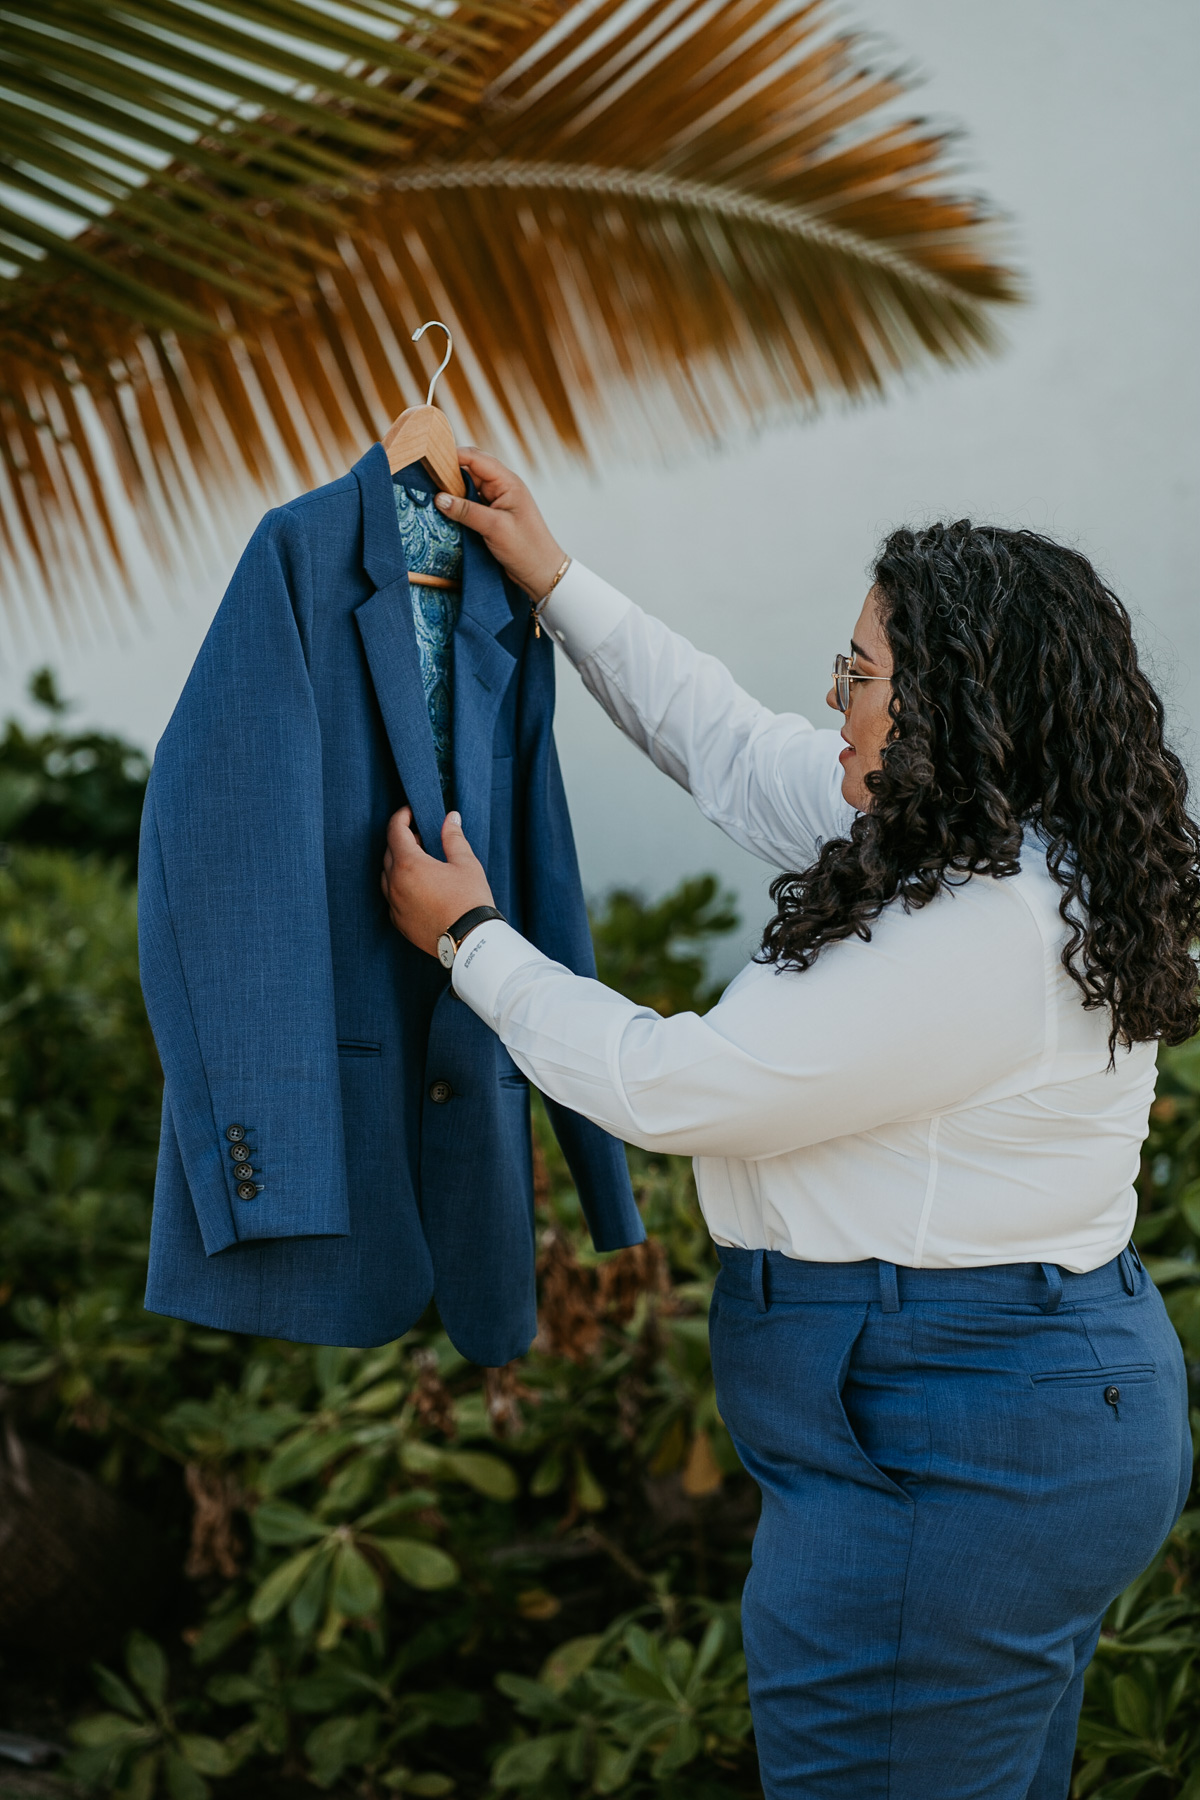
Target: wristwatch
{"type": "Point", "coordinates": [448, 943]}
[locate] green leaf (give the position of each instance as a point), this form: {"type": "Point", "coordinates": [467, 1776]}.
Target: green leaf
{"type": "Point", "coordinates": [431, 1786]}
{"type": "Point", "coordinates": [1162, 1269]}
{"type": "Point", "coordinates": [421, 1565]}
{"type": "Point", "coordinates": [1189, 1205]}
{"type": "Point", "coordinates": [523, 1765]}
{"type": "Point", "coordinates": [386, 1397]}
{"type": "Point", "coordinates": [356, 1589]}
{"type": "Point", "coordinates": [533, 1698]}
{"type": "Point", "coordinates": [102, 1729]}
{"type": "Point", "coordinates": [338, 1743]}
{"type": "Point", "coordinates": [453, 1707]}
{"type": "Point", "coordinates": [147, 1667]}
{"type": "Point", "coordinates": [205, 1754]}
{"type": "Point", "coordinates": [588, 1492]}
{"type": "Point", "coordinates": [26, 1363]}
{"type": "Point", "coordinates": [1131, 1705]}
{"type": "Point", "coordinates": [488, 1475]}
{"type": "Point", "coordinates": [548, 1476]}
{"type": "Point", "coordinates": [304, 1456]}
{"type": "Point", "coordinates": [415, 1500]}
{"type": "Point", "coordinates": [569, 1660]}
{"type": "Point", "coordinates": [280, 1586]}
{"type": "Point", "coordinates": [421, 1459]}
{"type": "Point", "coordinates": [614, 1767]}
{"type": "Point", "coordinates": [306, 1605]}
{"type": "Point", "coordinates": [183, 1781]}
{"type": "Point", "coordinates": [711, 1645]}
{"type": "Point", "coordinates": [350, 1487]}
{"type": "Point", "coordinates": [143, 1778]}
{"type": "Point", "coordinates": [234, 1690]}
{"type": "Point", "coordinates": [679, 1750]}
{"type": "Point", "coordinates": [279, 1522]}
{"type": "Point", "coordinates": [113, 1689]}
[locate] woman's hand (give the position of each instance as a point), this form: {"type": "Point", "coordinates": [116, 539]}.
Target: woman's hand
{"type": "Point", "coordinates": [426, 896]}
{"type": "Point", "coordinates": [510, 524]}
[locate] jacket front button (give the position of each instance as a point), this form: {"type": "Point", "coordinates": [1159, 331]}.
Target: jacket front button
{"type": "Point", "coordinates": [235, 1133]}
{"type": "Point", "coordinates": [440, 1092]}
{"type": "Point", "coordinates": [247, 1190]}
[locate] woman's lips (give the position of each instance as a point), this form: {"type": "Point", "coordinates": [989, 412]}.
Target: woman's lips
{"type": "Point", "coordinates": [843, 754]}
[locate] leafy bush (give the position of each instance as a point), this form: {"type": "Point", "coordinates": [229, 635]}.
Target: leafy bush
{"type": "Point", "coordinates": [1140, 1731]}
{"type": "Point", "coordinates": [398, 1573]}
{"type": "Point", "coordinates": [372, 1539]}
{"type": "Point", "coordinates": [79, 791]}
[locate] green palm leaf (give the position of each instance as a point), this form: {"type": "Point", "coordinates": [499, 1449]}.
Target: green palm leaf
{"type": "Point", "coordinates": [644, 222]}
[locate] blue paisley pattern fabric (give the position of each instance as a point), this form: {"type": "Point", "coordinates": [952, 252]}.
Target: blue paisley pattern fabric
{"type": "Point", "coordinates": [433, 546]}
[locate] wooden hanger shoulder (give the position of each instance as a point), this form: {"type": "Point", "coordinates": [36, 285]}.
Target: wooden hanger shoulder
{"type": "Point", "coordinates": [422, 435]}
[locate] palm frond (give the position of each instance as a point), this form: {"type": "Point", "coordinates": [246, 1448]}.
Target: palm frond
{"type": "Point", "coordinates": [641, 220]}
{"type": "Point", "coordinates": [169, 130]}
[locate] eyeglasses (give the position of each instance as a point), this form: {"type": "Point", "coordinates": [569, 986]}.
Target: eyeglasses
{"type": "Point", "coordinates": [844, 677]}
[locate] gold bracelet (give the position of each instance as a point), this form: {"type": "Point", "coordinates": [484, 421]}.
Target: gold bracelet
{"type": "Point", "coordinates": [535, 606]}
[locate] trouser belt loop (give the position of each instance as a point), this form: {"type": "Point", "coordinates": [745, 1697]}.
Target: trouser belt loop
{"type": "Point", "coordinates": [1054, 1283]}
{"type": "Point", "coordinates": [1137, 1261]}
{"type": "Point", "coordinates": [889, 1288]}
{"type": "Point", "coordinates": [1128, 1278]}
{"type": "Point", "coordinates": [758, 1280]}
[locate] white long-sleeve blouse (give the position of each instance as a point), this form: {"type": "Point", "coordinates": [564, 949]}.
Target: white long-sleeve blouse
{"type": "Point", "coordinates": [937, 1097]}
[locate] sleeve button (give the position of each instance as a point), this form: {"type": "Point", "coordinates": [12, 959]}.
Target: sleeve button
{"type": "Point", "coordinates": [235, 1133]}
{"type": "Point", "coordinates": [440, 1092]}
{"type": "Point", "coordinates": [243, 1171]}
{"type": "Point", "coordinates": [247, 1190]}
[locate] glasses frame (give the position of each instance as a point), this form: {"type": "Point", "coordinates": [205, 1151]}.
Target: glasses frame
{"type": "Point", "coordinates": [844, 677]}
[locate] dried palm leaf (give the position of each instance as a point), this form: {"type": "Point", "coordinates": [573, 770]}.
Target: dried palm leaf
{"type": "Point", "coordinates": [640, 219]}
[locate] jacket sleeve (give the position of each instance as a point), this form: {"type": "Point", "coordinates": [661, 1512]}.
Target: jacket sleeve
{"type": "Point", "coordinates": [233, 918]}
{"type": "Point", "coordinates": [556, 921]}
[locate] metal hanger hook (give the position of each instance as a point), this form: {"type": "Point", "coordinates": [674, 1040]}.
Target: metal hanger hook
{"type": "Point", "coordinates": [418, 334]}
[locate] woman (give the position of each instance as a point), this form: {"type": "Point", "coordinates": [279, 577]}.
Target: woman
{"type": "Point", "coordinates": [916, 1119]}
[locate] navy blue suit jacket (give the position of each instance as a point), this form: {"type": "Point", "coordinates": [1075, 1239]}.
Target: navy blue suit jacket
{"type": "Point", "coordinates": [283, 1002]}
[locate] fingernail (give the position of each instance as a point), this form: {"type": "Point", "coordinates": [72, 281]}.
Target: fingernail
{"type": "Point", "coordinates": [443, 501]}
{"type": "Point", "coordinates": [454, 818]}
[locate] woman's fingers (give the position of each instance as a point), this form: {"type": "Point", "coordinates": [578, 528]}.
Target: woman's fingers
{"type": "Point", "coordinates": [510, 524]}
{"type": "Point", "coordinates": [469, 513]}
{"type": "Point", "coordinates": [485, 470]}
{"type": "Point", "coordinates": [403, 844]}
{"type": "Point", "coordinates": [425, 895]}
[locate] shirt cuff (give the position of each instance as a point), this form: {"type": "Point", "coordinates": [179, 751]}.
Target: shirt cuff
{"type": "Point", "coordinates": [582, 611]}
{"type": "Point", "coordinates": [488, 956]}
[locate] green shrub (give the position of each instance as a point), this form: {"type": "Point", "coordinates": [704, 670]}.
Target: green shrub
{"type": "Point", "coordinates": [70, 790]}
{"type": "Point", "coordinates": [404, 1574]}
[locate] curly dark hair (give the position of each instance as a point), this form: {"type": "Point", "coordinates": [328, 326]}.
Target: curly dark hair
{"type": "Point", "coordinates": [1018, 700]}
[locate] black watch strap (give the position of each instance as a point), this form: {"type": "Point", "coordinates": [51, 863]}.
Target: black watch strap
{"type": "Point", "coordinates": [478, 915]}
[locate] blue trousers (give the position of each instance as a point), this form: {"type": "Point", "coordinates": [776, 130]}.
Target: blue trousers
{"type": "Point", "coordinates": [960, 1470]}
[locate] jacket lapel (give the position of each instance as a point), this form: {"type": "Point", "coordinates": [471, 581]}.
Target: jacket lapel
{"type": "Point", "coordinates": [385, 625]}
{"type": "Point", "coordinates": [482, 671]}
{"type": "Point", "coordinates": [483, 668]}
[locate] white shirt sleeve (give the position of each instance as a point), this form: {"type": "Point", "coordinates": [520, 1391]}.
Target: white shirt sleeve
{"type": "Point", "coordinates": [769, 780]}
{"type": "Point", "coordinates": [912, 1023]}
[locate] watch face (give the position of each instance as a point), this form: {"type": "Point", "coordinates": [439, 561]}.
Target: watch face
{"type": "Point", "coordinates": [445, 950]}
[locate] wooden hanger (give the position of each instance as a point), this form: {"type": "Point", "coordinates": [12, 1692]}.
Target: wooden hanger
{"type": "Point", "coordinates": [422, 433]}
